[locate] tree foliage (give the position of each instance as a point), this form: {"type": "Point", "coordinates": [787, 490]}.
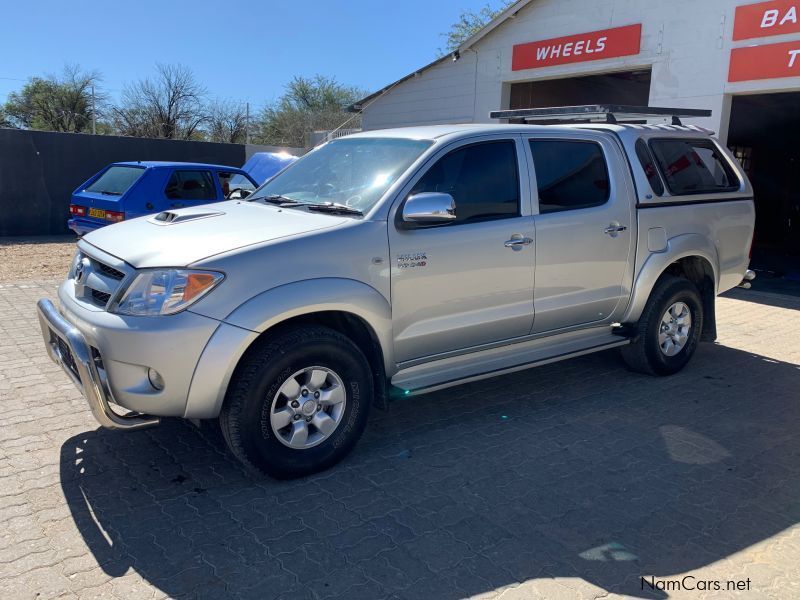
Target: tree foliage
{"type": "Point", "coordinates": [469, 23]}
{"type": "Point", "coordinates": [170, 105]}
{"type": "Point", "coordinates": [55, 103]}
{"type": "Point", "coordinates": [308, 104]}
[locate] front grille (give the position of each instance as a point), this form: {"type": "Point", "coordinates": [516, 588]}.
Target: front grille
{"type": "Point", "coordinates": [96, 281]}
{"type": "Point", "coordinates": [101, 297]}
{"type": "Point", "coordinates": [110, 271]}
{"type": "Point", "coordinates": [66, 354]}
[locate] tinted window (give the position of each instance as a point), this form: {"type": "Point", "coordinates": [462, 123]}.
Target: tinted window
{"type": "Point", "coordinates": [693, 166]}
{"type": "Point", "coordinates": [482, 179]}
{"type": "Point", "coordinates": [649, 167]}
{"type": "Point", "coordinates": [569, 174]}
{"type": "Point", "coordinates": [115, 181]}
{"type": "Point", "coordinates": [191, 185]}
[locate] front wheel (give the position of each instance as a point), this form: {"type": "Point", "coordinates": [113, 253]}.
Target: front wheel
{"type": "Point", "coordinates": [669, 328]}
{"type": "Point", "coordinates": [298, 403]}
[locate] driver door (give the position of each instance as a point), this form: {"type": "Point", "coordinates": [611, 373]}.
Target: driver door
{"type": "Point", "coordinates": [460, 285]}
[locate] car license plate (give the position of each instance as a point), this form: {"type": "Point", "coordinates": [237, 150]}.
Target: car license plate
{"type": "Point", "coordinates": [97, 213]}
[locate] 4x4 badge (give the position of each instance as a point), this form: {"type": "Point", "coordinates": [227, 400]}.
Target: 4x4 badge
{"type": "Point", "coordinates": [412, 260]}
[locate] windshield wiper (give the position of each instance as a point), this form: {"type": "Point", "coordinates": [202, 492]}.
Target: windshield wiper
{"type": "Point", "coordinates": [334, 207]}
{"type": "Point", "coordinates": [110, 193]}
{"type": "Point", "coordinates": [277, 199]}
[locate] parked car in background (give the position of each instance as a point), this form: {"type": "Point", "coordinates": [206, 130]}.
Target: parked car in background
{"type": "Point", "coordinates": [263, 165]}
{"type": "Point", "coordinates": [126, 190]}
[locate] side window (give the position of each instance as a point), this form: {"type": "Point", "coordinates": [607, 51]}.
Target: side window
{"type": "Point", "coordinates": [693, 166]}
{"type": "Point", "coordinates": [649, 167]}
{"type": "Point", "coordinates": [237, 183]}
{"type": "Point", "coordinates": [190, 185]}
{"type": "Point", "coordinates": [570, 174]}
{"type": "Point", "coordinates": [482, 178]}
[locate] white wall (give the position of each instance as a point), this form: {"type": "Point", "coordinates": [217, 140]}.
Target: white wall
{"type": "Point", "coordinates": [687, 44]}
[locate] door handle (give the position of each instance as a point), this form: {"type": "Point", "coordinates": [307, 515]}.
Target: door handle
{"type": "Point", "coordinates": [516, 243]}
{"type": "Point", "coordinates": [614, 229]}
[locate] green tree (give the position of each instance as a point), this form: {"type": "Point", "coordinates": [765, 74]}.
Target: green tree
{"type": "Point", "coordinates": [308, 104]}
{"type": "Point", "coordinates": [55, 103]}
{"type": "Point", "coordinates": [469, 23]}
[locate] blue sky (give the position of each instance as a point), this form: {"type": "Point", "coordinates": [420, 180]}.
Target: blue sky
{"type": "Point", "coordinates": [239, 50]}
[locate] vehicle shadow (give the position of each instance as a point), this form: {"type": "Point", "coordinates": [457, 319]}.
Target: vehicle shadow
{"type": "Point", "coordinates": [577, 470]}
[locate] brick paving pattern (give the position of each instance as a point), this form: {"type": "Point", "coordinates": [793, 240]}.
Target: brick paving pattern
{"type": "Point", "coordinates": [572, 480]}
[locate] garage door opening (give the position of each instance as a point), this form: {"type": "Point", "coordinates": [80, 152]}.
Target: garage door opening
{"type": "Point", "coordinates": [763, 135]}
{"type": "Point", "coordinates": [627, 87]}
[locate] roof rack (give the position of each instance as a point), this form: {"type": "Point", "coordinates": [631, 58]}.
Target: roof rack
{"type": "Point", "coordinates": [602, 113]}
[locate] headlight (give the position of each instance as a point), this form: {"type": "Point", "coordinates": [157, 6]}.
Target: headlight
{"type": "Point", "coordinates": [165, 291]}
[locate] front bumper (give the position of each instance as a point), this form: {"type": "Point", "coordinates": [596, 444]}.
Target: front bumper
{"type": "Point", "coordinates": [67, 346]}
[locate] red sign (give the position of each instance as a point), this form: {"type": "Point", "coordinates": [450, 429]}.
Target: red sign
{"type": "Point", "coordinates": [597, 45]}
{"type": "Point", "coordinates": [766, 18]}
{"type": "Point", "coordinates": [765, 62]}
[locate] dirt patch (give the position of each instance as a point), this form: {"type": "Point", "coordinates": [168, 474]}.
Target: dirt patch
{"type": "Point", "coordinates": [35, 257]}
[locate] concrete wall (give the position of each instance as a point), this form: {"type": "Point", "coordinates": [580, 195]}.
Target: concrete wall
{"type": "Point", "coordinates": [40, 169]}
{"type": "Point", "coordinates": [686, 43]}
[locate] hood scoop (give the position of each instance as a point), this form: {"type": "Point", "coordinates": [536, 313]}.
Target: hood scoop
{"type": "Point", "coordinates": [173, 217]}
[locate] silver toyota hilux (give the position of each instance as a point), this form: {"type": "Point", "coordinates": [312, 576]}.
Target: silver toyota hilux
{"type": "Point", "coordinates": [402, 262]}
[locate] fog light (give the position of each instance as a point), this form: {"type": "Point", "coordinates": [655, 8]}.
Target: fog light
{"type": "Point", "coordinates": [155, 379]}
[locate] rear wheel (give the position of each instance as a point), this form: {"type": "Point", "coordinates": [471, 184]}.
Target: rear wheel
{"type": "Point", "coordinates": [298, 403]}
{"type": "Point", "coordinates": [669, 328]}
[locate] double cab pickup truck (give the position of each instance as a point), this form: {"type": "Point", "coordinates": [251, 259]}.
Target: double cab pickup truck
{"type": "Point", "coordinates": [402, 262]}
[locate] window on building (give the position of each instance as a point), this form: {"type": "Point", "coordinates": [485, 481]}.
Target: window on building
{"type": "Point", "coordinates": [570, 174]}
{"type": "Point", "coordinates": [649, 167]}
{"type": "Point", "coordinates": [482, 178]}
{"type": "Point", "coordinates": [693, 166]}
{"type": "Point", "coordinates": [191, 185]}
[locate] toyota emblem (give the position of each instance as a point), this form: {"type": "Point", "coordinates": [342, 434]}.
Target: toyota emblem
{"type": "Point", "coordinates": [79, 271]}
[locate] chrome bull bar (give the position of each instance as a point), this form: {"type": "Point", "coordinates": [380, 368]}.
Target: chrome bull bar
{"type": "Point", "coordinates": [68, 348]}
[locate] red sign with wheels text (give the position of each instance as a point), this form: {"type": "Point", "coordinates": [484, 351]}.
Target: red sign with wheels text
{"type": "Point", "coordinates": [772, 61]}
{"type": "Point", "coordinates": [766, 18]}
{"type": "Point", "coordinates": [596, 45]}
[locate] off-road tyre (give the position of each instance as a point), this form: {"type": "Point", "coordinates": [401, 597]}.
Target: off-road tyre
{"type": "Point", "coordinates": [245, 416]}
{"type": "Point", "coordinates": [644, 354]}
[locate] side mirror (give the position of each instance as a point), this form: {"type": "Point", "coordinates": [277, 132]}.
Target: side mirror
{"type": "Point", "coordinates": [429, 208]}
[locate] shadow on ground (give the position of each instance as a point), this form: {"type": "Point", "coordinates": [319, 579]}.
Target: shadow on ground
{"type": "Point", "coordinates": [578, 470]}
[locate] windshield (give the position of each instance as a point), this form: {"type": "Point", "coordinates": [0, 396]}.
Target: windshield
{"type": "Point", "coordinates": [354, 172]}
{"type": "Point", "coordinates": [115, 181]}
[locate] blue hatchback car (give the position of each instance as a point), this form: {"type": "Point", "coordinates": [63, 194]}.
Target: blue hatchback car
{"type": "Point", "coordinates": [126, 190]}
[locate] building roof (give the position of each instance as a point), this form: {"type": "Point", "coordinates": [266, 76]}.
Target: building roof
{"type": "Point", "coordinates": [508, 13]}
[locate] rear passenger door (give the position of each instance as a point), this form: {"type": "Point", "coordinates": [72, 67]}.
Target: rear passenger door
{"type": "Point", "coordinates": [584, 216]}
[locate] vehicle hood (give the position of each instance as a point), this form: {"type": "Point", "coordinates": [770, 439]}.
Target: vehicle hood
{"type": "Point", "coordinates": [187, 235]}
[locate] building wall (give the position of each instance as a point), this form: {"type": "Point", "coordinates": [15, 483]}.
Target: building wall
{"type": "Point", "coordinates": [686, 43]}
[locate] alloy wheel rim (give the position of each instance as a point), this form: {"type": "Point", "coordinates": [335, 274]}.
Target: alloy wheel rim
{"type": "Point", "coordinates": [674, 329]}
{"type": "Point", "coordinates": [308, 407]}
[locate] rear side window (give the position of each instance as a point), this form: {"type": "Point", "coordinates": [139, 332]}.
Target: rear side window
{"type": "Point", "coordinates": [482, 178]}
{"type": "Point", "coordinates": [115, 181]}
{"type": "Point", "coordinates": [570, 174]}
{"type": "Point", "coordinates": [649, 167]}
{"type": "Point", "coordinates": [191, 185]}
{"type": "Point", "coordinates": [693, 166]}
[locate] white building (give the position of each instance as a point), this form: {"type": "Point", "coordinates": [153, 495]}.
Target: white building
{"type": "Point", "coordinates": [740, 60]}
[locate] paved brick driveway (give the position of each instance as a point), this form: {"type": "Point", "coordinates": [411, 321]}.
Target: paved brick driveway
{"type": "Point", "coordinates": [572, 480]}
